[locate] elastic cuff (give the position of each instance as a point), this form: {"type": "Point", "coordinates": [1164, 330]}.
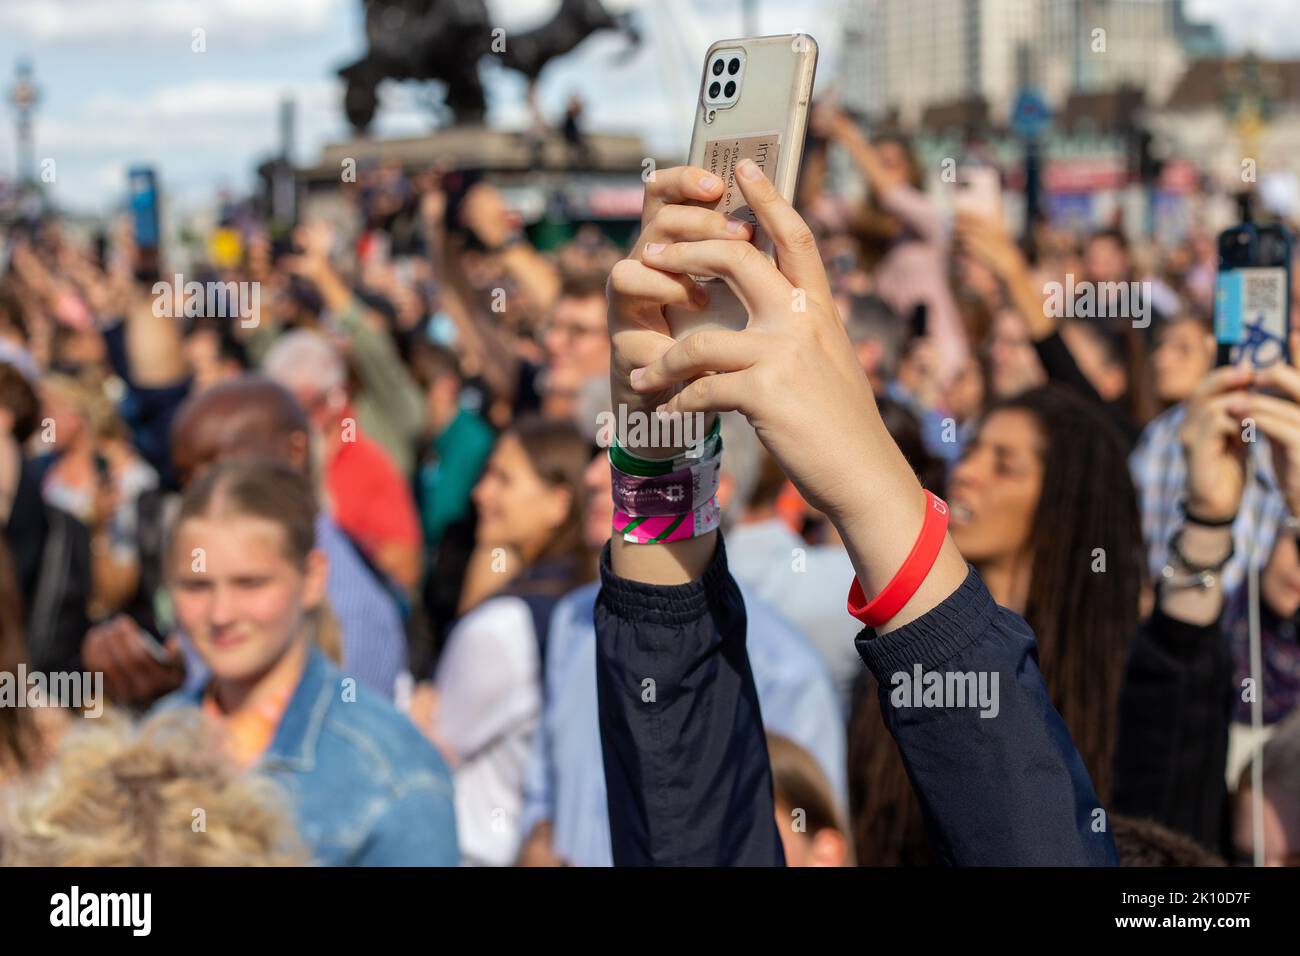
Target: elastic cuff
{"type": "Point", "coordinates": [936, 636]}
{"type": "Point", "coordinates": [669, 604]}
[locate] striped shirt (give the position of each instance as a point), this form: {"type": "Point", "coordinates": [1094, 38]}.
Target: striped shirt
{"type": "Point", "coordinates": [1159, 472]}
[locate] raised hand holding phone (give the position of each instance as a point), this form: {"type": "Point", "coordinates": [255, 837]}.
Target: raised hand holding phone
{"type": "Point", "coordinates": [640, 295]}
{"type": "Point", "coordinates": [1211, 438]}
{"type": "Point", "coordinates": [793, 374]}
{"type": "Point", "coordinates": [1277, 415]}
{"type": "Point", "coordinates": [753, 104]}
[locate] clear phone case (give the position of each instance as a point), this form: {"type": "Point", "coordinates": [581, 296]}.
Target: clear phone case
{"type": "Point", "coordinates": [766, 121]}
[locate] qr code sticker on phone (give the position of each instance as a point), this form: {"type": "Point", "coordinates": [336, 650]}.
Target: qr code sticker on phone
{"type": "Point", "coordinates": [1263, 306]}
{"type": "Point", "coordinates": [1265, 290]}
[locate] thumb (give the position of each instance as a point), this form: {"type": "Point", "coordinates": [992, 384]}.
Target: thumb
{"type": "Point", "coordinates": [175, 649]}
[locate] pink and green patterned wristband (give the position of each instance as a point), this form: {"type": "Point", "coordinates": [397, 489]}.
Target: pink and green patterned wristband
{"type": "Point", "coordinates": [660, 529]}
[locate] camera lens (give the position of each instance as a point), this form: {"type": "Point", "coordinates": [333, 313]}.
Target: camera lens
{"type": "Point", "coordinates": [733, 67]}
{"type": "Point", "coordinates": [731, 89]}
{"type": "Point", "coordinates": [717, 67]}
{"type": "Point", "coordinates": [714, 90]}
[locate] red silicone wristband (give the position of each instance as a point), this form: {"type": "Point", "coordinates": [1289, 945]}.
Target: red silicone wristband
{"type": "Point", "coordinates": [909, 577]}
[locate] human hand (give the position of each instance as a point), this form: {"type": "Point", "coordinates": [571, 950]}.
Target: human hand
{"type": "Point", "coordinates": [485, 213]}
{"type": "Point", "coordinates": [1211, 438]}
{"type": "Point", "coordinates": [1278, 417]}
{"type": "Point", "coordinates": [793, 373]}
{"type": "Point", "coordinates": [639, 293]}
{"type": "Point", "coordinates": [987, 240]}
{"type": "Point", "coordinates": [132, 675]}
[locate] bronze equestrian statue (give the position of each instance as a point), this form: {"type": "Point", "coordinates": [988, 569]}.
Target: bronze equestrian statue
{"type": "Point", "coordinates": [445, 39]}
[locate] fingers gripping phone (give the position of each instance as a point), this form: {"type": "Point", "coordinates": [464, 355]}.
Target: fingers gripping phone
{"type": "Point", "coordinates": [1252, 295]}
{"type": "Point", "coordinates": [753, 104]}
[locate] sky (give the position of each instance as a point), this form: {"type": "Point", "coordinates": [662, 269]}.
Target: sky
{"type": "Point", "coordinates": [121, 83]}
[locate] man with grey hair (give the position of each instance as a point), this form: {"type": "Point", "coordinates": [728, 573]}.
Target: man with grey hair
{"type": "Point", "coordinates": [369, 497]}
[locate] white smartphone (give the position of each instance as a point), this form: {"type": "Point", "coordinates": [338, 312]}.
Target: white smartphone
{"type": "Point", "coordinates": [979, 191]}
{"type": "Point", "coordinates": [753, 104]}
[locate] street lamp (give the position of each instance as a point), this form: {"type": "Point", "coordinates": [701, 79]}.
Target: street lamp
{"type": "Point", "coordinates": [23, 97]}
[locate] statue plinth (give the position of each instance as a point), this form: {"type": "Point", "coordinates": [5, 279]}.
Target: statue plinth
{"type": "Point", "coordinates": [482, 148]}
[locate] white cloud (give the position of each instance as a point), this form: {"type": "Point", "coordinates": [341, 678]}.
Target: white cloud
{"type": "Point", "coordinates": [1265, 26]}
{"type": "Point", "coordinates": [206, 130]}
{"type": "Point", "coordinates": [137, 21]}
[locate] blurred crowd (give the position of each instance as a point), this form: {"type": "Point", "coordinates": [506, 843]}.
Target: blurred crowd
{"type": "Point", "coordinates": [359, 531]}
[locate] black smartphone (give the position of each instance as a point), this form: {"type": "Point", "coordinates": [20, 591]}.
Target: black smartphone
{"type": "Point", "coordinates": [281, 204]}
{"type": "Point", "coordinates": [1252, 295]}
{"type": "Point", "coordinates": [920, 320]}
{"type": "Point", "coordinates": [101, 250]}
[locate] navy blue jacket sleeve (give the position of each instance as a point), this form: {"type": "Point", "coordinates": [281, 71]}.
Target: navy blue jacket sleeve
{"type": "Point", "coordinates": [999, 781]}
{"type": "Point", "coordinates": [148, 412]}
{"type": "Point", "coordinates": [686, 767]}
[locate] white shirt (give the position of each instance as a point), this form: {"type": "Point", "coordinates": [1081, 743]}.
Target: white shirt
{"type": "Point", "coordinates": [809, 585]}
{"type": "Point", "coordinates": [490, 703]}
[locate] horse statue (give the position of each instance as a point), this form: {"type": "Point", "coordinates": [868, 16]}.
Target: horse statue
{"type": "Point", "coordinates": [445, 39]}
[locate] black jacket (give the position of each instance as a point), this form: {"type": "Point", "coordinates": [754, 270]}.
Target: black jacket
{"type": "Point", "coordinates": [52, 560]}
{"type": "Point", "coordinates": [686, 763]}
{"type": "Point", "coordinates": [1174, 709]}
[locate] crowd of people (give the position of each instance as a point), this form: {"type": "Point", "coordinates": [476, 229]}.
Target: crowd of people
{"type": "Point", "coordinates": [353, 574]}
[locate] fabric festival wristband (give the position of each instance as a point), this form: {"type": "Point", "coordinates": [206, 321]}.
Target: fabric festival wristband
{"type": "Point", "coordinates": [683, 490]}
{"type": "Point", "coordinates": [661, 529]}
{"type": "Point", "coordinates": [909, 577]}
{"type": "Point", "coordinates": [631, 464]}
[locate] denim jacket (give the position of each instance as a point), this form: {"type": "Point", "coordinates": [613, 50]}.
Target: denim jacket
{"type": "Point", "coordinates": [368, 788]}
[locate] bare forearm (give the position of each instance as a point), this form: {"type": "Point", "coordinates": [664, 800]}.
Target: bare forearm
{"type": "Point", "coordinates": [533, 272]}
{"type": "Point", "coordinates": [1027, 299]}
{"type": "Point", "coordinates": [489, 352]}
{"type": "Point", "coordinates": [334, 291]}
{"type": "Point", "coordinates": [867, 161]}
{"type": "Point", "coordinates": [153, 348]}
{"type": "Point", "coordinates": [880, 531]}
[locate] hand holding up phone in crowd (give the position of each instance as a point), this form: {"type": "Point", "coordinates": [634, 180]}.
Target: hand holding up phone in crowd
{"type": "Point", "coordinates": [1276, 412]}
{"type": "Point", "coordinates": [792, 372]}
{"type": "Point", "coordinates": [986, 240]}
{"type": "Point", "coordinates": [1211, 436]}
{"type": "Point", "coordinates": [639, 293]}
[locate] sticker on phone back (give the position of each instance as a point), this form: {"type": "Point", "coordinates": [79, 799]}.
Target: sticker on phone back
{"type": "Point", "coordinates": [1250, 313]}
{"type": "Point", "coordinates": [721, 157]}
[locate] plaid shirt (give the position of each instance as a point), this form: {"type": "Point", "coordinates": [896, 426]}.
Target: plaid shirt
{"type": "Point", "coordinates": [1160, 474]}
